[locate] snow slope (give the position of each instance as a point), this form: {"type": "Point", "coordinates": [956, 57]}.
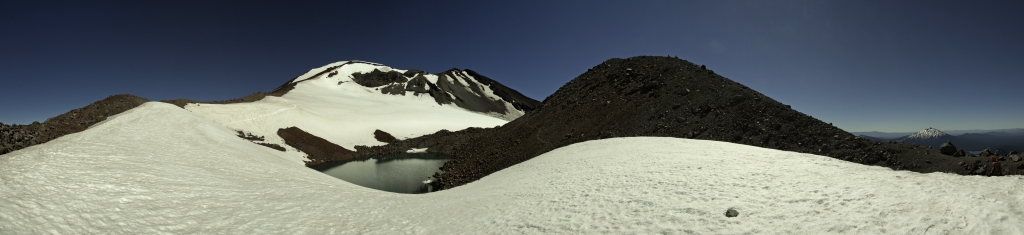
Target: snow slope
{"type": "Point", "coordinates": [161, 169]}
{"type": "Point", "coordinates": [345, 113]}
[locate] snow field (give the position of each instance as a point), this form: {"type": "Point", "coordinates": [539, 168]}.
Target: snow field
{"type": "Point", "coordinates": [161, 169]}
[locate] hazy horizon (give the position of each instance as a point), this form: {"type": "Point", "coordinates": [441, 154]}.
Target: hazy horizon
{"type": "Point", "coordinates": [862, 66]}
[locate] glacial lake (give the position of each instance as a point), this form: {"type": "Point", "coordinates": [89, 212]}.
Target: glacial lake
{"type": "Point", "coordinates": [399, 173]}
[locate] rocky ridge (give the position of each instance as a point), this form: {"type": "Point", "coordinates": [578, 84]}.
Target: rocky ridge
{"type": "Point", "coordinates": [15, 137]}
{"type": "Point", "coordinates": [463, 88]}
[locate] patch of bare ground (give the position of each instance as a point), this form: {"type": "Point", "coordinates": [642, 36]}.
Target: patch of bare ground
{"type": "Point", "coordinates": [16, 137]}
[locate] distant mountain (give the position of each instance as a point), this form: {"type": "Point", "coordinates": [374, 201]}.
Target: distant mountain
{"type": "Point", "coordinates": [1015, 131]}
{"type": "Point", "coordinates": [927, 137]}
{"type": "Point", "coordinates": [1001, 141]}
{"type": "Point", "coordinates": [927, 134]}
{"type": "Point", "coordinates": [874, 138]}
{"type": "Point", "coordinates": [882, 135]}
{"type": "Point", "coordinates": [894, 135]}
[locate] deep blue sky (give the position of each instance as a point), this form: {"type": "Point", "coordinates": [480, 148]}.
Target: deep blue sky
{"type": "Point", "coordinates": [861, 65]}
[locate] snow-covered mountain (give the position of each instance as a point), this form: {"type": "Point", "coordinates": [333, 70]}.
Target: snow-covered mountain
{"type": "Point", "coordinates": [346, 102]}
{"type": "Point", "coordinates": [1003, 141]}
{"type": "Point", "coordinates": [930, 133]}
{"type": "Point", "coordinates": [463, 88]}
{"type": "Point", "coordinates": [927, 137]}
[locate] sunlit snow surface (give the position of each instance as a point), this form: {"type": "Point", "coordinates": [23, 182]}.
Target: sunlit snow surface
{"type": "Point", "coordinates": [162, 169]}
{"type": "Point", "coordinates": [345, 113]}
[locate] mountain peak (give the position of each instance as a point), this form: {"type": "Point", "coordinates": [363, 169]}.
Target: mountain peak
{"type": "Point", "coordinates": [462, 88]}
{"type": "Point", "coordinates": [927, 134]}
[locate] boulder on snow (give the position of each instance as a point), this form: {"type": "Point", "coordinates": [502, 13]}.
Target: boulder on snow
{"type": "Point", "coordinates": [947, 148]}
{"type": "Point", "coordinates": [731, 213]}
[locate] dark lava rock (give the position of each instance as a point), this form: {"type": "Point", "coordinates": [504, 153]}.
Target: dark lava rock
{"type": "Point", "coordinates": [249, 136]}
{"type": "Point", "coordinates": [383, 136]}
{"type": "Point", "coordinates": [378, 78]}
{"type": "Point", "coordinates": [318, 149]}
{"type": "Point", "coordinates": [947, 148]}
{"type": "Point", "coordinates": [985, 153]}
{"type": "Point", "coordinates": [731, 213]}
{"type": "Point", "coordinates": [272, 146]}
{"type": "Point", "coordinates": [658, 96]}
{"type": "Point", "coordinates": [959, 153]}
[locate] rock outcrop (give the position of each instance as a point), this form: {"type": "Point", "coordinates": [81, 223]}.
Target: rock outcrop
{"type": "Point", "coordinates": [948, 148]}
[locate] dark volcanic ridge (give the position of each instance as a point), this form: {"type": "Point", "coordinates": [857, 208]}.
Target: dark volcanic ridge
{"type": "Point", "coordinates": [661, 96]}
{"type": "Point", "coordinates": [16, 137]}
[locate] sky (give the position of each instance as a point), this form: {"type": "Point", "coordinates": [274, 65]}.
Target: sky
{"type": "Point", "coordinates": [861, 65]}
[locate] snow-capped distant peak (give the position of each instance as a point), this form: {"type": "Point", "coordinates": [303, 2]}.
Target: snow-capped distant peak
{"type": "Point", "coordinates": [927, 134]}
